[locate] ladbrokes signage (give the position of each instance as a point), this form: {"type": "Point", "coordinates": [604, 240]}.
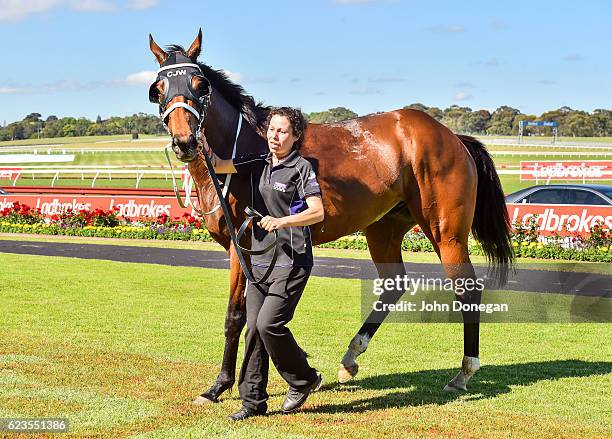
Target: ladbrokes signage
{"type": "Point", "coordinates": [567, 170]}
{"type": "Point", "coordinates": [129, 206]}
{"type": "Point", "coordinates": [562, 219]}
{"type": "Point", "coordinates": [10, 173]}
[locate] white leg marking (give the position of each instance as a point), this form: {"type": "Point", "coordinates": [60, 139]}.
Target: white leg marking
{"type": "Point", "coordinates": [348, 366]}
{"type": "Point", "coordinates": [469, 367]}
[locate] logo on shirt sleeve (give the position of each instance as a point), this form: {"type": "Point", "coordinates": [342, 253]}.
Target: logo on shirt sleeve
{"type": "Point", "coordinates": [282, 187]}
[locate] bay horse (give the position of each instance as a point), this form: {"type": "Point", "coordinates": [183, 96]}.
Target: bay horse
{"type": "Point", "coordinates": [380, 174]}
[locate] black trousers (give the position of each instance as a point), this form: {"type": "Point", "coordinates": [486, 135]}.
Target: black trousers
{"type": "Point", "coordinates": [270, 306]}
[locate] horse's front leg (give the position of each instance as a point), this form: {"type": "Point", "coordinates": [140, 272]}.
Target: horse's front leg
{"type": "Point", "coordinates": [235, 319]}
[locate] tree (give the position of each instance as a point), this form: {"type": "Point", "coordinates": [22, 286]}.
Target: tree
{"type": "Point", "coordinates": [436, 113]}
{"type": "Point", "coordinates": [526, 130]}
{"type": "Point", "coordinates": [602, 122]}
{"type": "Point", "coordinates": [502, 120]}
{"type": "Point", "coordinates": [32, 117]}
{"type": "Point", "coordinates": [332, 115]}
{"type": "Point", "coordinates": [578, 124]}
{"type": "Point", "coordinates": [16, 131]}
{"type": "Point", "coordinates": [453, 116]}
{"type": "Point", "coordinates": [476, 122]}
{"type": "Point", "coordinates": [417, 106]}
{"type": "Point", "coordinates": [68, 130]}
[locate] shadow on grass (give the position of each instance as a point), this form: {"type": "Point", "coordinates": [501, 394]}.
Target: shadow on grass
{"type": "Point", "coordinates": [425, 387]}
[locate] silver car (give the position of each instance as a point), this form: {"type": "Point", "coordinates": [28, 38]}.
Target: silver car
{"type": "Point", "coordinates": [583, 194]}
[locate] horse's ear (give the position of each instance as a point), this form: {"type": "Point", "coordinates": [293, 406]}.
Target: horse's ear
{"type": "Point", "coordinates": [194, 50]}
{"type": "Point", "coordinates": [159, 53]}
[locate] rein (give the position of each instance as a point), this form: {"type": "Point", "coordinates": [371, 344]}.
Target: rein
{"type": "Point", "coordinates": [251, 214]}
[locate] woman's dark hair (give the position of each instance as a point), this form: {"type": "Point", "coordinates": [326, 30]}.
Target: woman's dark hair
{"type": "Point", "coordinates": [296, 120]}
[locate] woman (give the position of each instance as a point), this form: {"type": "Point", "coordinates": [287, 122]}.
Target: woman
{"type": "Point", "coordinates": [290, 196]}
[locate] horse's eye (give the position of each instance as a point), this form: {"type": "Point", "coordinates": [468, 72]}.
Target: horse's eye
{"type": "Point", "coordinates": [200, 85]}
{"type": "Point", "coordinates": [155, 91]}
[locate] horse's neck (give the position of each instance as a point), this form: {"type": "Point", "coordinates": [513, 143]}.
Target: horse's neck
{"type": "Point", "coordinates": [202, 179]}
{"type": "Point", "coordinates": [220, 127]}
{"type": "Point", "coordinates": [221, 130]}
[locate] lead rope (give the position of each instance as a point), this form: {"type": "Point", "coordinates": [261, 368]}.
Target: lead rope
{"type": "Point", "coordinates": [221, 193]}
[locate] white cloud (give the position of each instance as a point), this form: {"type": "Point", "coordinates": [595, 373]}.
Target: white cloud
{"type": "Point", "coordinates": [142, 4]}
{"type": "Point", "coordinates": [12, 90]}
{"type": "Point", "coordinates": [492, 62]}
{"type": "Point", "coordinates": [141, 78]}
{"type": "Point", "coordinates": [462, 96]}
{"type": "Point", "coordinates": [386, 79]}
{"type": "Point", "coordinates": [367, 91]}
{"type": "Point", "coordinates": [234, 76]}
{"type": "Point", "coordinates": [92, 6]}
{"type": "Point", "coordinates": [13, 10]}
{"type": "Point", "coordinates": [446, 29]}
{"type": "Point", "coordinates": [498, 24]}
{"type": "Point", "coordinates": [353, 2]}
{"type": "Point", "coordinates": [574, 57]}
{"type": "Point", "coordinates": [464, 85]}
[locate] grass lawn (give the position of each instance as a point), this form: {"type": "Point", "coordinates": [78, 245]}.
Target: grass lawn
{"type": "Point", "coordinates": [82, 140]}
{"type": "Point", "coordinates": [121, 349]}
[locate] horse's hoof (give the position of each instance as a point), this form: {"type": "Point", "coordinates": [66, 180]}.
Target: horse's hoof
{"type": "Point", "coordinates": [347, 373]}
{"type": "Point", "coordinates": [204, 400]}
{"type": "Point", "coordinates": [452, 387]}
{"type": "Point", "coordinates": [469, 367]}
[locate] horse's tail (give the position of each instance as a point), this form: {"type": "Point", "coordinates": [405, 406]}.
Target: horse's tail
{"type": "Point", "coordinates": [491, 226]}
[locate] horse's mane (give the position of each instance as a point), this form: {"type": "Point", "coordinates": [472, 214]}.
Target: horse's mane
{"type": "Point", "coordinates": [254, 113]}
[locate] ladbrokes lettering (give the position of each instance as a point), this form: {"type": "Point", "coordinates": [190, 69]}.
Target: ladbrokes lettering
{"type": "Point", "coordinates": [559, 219]}
{"type": "Point", "coordinates": [55, 207]}
{"type": "Point", "coordinates": [132, 209]}
{"type": "Point", "coordinates": [572, 170]}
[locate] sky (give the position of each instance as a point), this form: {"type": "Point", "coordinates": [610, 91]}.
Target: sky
{"type": "Point", "coordinates": [91, 57]}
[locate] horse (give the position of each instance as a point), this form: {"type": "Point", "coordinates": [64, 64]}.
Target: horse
{"type": "Point", "coordinates": [380, 174]}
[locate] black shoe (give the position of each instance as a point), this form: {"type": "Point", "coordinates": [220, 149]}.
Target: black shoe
{"type": "Point", "coordinates": [296, 398]}
{"type": "Point", "coordinates": [244, 413]}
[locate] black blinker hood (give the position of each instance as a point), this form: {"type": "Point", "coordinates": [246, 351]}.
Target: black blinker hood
{"type": "Point", "coordinates": [177, 80]}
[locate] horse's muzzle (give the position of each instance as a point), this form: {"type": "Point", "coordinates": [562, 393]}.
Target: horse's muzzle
{"type": "Point", "coordinates": [185, 148]}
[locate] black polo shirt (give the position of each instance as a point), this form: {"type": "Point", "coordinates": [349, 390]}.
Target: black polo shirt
{"type": "Point", "coordinates": [282, 191]}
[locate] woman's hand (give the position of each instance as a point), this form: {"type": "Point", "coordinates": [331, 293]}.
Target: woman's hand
{"type": "Point", "coordinates": [269, 223]}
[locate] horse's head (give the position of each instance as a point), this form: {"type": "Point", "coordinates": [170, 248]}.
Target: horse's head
{"type": "Point", "coordinates": [183, 95]}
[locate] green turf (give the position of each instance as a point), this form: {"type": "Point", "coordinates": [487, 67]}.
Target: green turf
{"type": "Point", "coordinates": [527, 139]}
{"type": "Point", "coordinates": [75, 140]}
{"type": "Point", "coordinates": [121, 349]}
{"type": "Point", "coordinates": [133, 157]}
{"type": "Point", "coordinates": [102, 181]}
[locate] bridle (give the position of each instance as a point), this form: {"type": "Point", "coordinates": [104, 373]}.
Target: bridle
{"type": "Point", "coordinates": [177, 73]}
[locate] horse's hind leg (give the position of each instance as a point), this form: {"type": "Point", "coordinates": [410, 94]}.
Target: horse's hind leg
{"type": "Point", "coordinates": [384, 242]}
{"type": "Point", "coordinates": [235, 319]}
{"type": "Point", "coordinates": [447, 222]}
{"type": "Point", "coordinates": [458, 267]}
